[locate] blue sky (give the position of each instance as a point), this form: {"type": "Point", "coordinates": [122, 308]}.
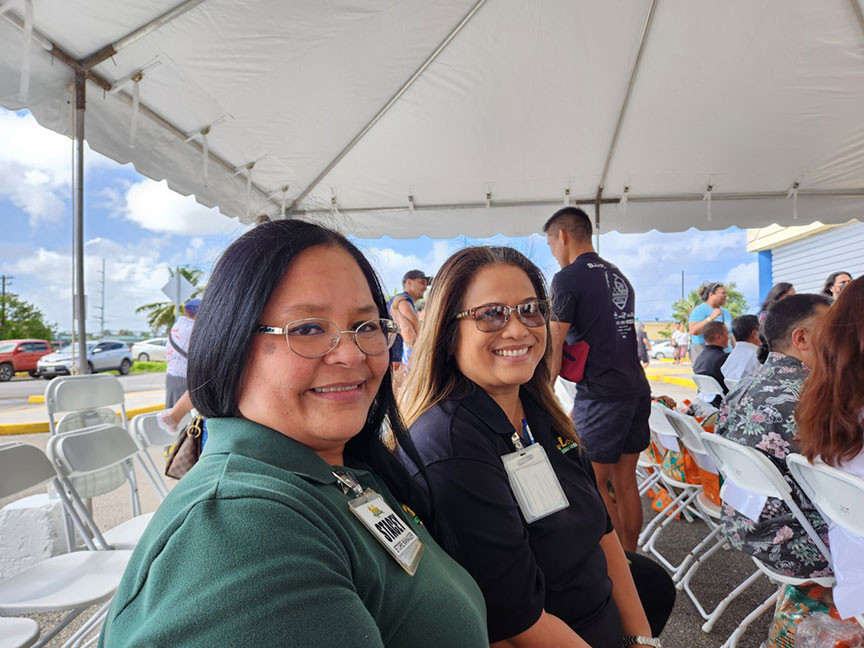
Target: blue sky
{"type": "Point", "coordinates": [142, 229]}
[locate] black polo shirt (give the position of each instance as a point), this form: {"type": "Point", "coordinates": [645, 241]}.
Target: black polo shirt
{"type": "Point", "coordinates": [555, 563]}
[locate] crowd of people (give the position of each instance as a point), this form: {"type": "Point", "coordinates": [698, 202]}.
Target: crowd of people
{"type": "Point", "coordinates": [377, 477]}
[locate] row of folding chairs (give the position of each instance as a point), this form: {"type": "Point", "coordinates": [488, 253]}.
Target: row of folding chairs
{"type": "Point", "coordinates": [838, 494]}
{"type": "Point", "coordinates": [75, 581]}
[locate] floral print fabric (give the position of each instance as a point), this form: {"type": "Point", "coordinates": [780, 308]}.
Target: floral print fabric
{"type": "Point", "coordinates": [760, 414]}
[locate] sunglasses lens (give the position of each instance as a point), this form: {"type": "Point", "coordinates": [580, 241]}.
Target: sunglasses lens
{"type": "Point", "coordinates": [533, 314]}
{"type": "Point", "coordinates": [491, 318]}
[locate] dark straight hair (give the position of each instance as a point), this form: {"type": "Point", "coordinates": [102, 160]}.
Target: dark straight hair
{"type": "Point", "coordinates": [829, 282]}
{"type": "Point", "coordinates": [743, 326]}
{"type": "Point", "coordinates": [572, 219]}
{"type": "Point", "coordinates": [785, 315]}
{"type": "Point", "coordinates": [242, 282]}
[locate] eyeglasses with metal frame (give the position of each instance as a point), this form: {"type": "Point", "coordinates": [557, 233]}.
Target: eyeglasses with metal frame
{"type": "Point", "coordinates": [313, 337]}
{"type": "Point", "coordinates": [494, 317]}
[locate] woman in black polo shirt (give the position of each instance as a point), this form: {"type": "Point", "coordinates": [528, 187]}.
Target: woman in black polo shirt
{"type": "Point", "coordinates": [478, 391]}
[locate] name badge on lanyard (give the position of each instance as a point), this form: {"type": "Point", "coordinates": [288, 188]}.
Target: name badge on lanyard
{"type": "Point", "coordinates": [389, 529]}
{"type": "Point", "coordinates": [532, 480]}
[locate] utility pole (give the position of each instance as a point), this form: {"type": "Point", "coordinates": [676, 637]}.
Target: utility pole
{"type": "Point", "coordinates": [682, 285]}
{"type": "Point", "coordinates": [102, 307]}
{"type": "Point", "coordinates": [4, 278]}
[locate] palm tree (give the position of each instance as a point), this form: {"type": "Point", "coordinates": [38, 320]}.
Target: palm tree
{"type": "Point", "coordinates": [162, 314]}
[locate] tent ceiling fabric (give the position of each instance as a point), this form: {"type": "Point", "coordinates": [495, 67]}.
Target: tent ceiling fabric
{"type": "Point", "coordinates": [747, 96]}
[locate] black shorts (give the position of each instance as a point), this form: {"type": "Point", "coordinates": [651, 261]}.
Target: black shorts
{"type": "Point", "coordinates": [609, 429]}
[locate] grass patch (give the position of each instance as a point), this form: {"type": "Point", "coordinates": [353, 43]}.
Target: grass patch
{"type": "Point", "coordinates": [142, 368]}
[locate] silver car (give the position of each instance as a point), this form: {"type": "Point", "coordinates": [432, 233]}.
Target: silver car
{"type": "Point", "coordinates": [103, 355]}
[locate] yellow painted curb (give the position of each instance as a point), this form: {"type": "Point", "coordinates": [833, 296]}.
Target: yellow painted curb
{"type": "Point", "coordinates": [36, 399]}
{"type": "Point", "coordinates": [40, 427]}
{"type": "Point", "coordinates": [671, 380]}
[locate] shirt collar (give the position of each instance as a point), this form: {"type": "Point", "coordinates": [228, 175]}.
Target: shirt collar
{"type": "Point", "coordinates": [256, 441]}
{"type": "Point", "coordinates": [777, 359]}
{"type": "Point", "coordinates": [484, 407]}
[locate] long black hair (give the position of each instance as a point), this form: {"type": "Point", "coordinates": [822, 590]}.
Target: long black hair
{"type": "Point", "coordinates": [242, 282]}
{"type": "Point", "coordinates": [777, 292]}
{"type": "Point", "coordinates": [829, 282]}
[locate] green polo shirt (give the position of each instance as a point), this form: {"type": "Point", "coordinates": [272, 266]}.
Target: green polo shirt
{"type": "Point", "coordinates": [256, 546]}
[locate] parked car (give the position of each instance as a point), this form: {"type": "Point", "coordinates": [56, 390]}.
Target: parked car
{"type": "Point", "coordinates": [21, 355]}
{"type": "Point", "coordinates": [662, 349]}
{"type": "Point", "coordinates": [150, 350]}
{"type": "Point", "coordinates": [103, 355]}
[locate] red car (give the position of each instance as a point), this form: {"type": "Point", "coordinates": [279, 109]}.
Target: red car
{"type": "Point", "coordinates": [21, 355]}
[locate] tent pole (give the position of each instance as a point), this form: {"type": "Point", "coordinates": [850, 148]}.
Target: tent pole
{"type": "Point", "coordinates": [419, 71]}
{"type": "Point", "coordinates": [597, 202]}
{"type": "Point", "coordinates": [80, 315]}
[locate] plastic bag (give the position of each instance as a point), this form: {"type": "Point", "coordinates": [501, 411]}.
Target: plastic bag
{"type": "Point", "coordinates": [822, 631]}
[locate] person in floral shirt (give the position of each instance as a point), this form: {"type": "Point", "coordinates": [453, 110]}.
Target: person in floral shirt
{"type": "Point", "coordinates": [761, 414]}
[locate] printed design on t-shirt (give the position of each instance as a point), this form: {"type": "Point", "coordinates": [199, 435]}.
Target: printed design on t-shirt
{"type": "Point", "coordinates": [620, 292]}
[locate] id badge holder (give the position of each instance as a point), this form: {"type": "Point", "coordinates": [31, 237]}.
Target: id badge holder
{"type": "Point", "coordinates": [391, 531]}
{"type": "Point", "coordinates": [533, 482]}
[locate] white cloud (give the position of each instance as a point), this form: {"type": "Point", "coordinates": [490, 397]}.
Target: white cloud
{"type": "Point", "coordinates": [134, 276]}
{"type": "Point", "coordinates": [36, 167]}
{"type": "Point", "coordinates": [746, 278]}
{"type": "Point", "coordinates": [392, 265]}
{"type": "Point", "coordinates": [155, 207]}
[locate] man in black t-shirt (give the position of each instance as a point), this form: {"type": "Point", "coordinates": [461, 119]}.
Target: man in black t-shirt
{"type": "Point", "coordinates": [594, 305]}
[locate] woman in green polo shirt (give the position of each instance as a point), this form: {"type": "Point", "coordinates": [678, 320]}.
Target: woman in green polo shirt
{"type": "Point", "coordinates": [289, 531]}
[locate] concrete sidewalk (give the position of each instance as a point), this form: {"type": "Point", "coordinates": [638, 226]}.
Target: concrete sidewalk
{"type": "Point", "coordinates": [666, 372]}
{"type": "Point", "coordinates": [33, 418]}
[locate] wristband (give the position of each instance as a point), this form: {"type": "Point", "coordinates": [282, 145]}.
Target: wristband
{"type": "Point", "coordinates": [632, 640]}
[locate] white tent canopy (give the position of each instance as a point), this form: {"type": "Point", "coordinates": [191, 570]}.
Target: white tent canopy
{"type": "Point", "coordinates": [452, 117]}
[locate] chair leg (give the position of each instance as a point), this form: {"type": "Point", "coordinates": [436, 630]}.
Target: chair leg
{"type": "Point", "coordinates": [657, 519]}
{"type": "Point", "coordinates": [684, 567]}
{"type": "Point", "coordinates": [88, 627]}
{"type": "Point", "coordinates": [649, 481]}
{"type": "Point", "coordinates": [732, 641]}
{"type": "Point", "coordinates": [152, 473]}
{"type": "Point", "coordinates": [66, 620]}
{"type": "Point", "coordinates": [649, 546]}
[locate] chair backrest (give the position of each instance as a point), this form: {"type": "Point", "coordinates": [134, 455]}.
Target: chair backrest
{"type": "Point", "coordinates": [747, 467]}
{"type": "Point", "coordinates": [22, 466]}
{"type": "Point", "coordinates": [707, 385]}
{"type": "Point", "coordinates": [838, 494]}
{"type": "Point", "coordinates": [662, 431]}
{"type": "Point", "coordinates": [732, 383]}
{"type": "Point", "coordinates": [751, 470]}
{"type": "Point", "coordinates": [690, 433]}
{"type": "Point", "coordinates": [74, 393]}
{"type": "Point", "coordinates": [86, 419]}
{"type": "Point", "coordinates": [85, 451]}
{"type": "Point", "coordinates": [147, 433]}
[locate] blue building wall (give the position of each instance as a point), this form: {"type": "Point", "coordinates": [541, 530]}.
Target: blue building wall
{"type": "Point", "coordinates": [766, 275]}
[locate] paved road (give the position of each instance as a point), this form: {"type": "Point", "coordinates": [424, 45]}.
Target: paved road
{"type": "Point", "coordinates": [13, 394]}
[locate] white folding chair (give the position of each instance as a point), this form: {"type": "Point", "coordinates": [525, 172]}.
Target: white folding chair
{"type": "Point", "coordinates": [751, 470]}
{"type": "Point", "coordinates": [665, 436]}
{"type": "Point", "coordinates": [147, 434]}
{"type": "Point", "coordinates": [690, 433]}
{"type": "Point", "coordinates": [837, 494]}
{"type": "Point", "coordinates": [88, 401]}
{"type": "Point", "coordinates": [731, 383]}
{"type": "Point", "coordinates": [83, 452]}
{"type": "Point", "coordinates": [708, 387]}
{"type": "Point", "coordinates": [68, 583]}
{"type": "Point", "coordinates": [18, 632]}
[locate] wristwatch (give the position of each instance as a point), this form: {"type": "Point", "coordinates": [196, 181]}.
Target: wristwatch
{"type": "Point", "coordinates": [632, 640]}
